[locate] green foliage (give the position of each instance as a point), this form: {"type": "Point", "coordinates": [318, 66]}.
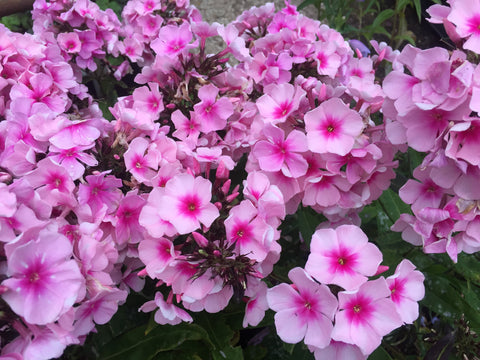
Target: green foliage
{"type": "Point", "coordinates": [21, 22]}
{"type": "Point", "coordinates": [367, 19]}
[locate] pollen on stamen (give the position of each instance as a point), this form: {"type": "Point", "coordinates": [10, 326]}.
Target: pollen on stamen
{"type": "Point", "coordinates": [357, 308]}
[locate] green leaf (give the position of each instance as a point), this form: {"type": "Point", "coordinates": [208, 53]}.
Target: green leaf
{"type": "Point", "coordinates": [219, 333]}
{"type": "Point", "coordinates": [134, 344]}
{"type": "Point", "coordinates": [380, 354]}
{"type": "Point", "coordinates": [308, 220]}
{"type": "Point", "coordinates": [393, 205]}
{"type": "Point", "coordinates": [228, 353]}
{"type": "Point", "coordinates": [384, 15]}
{"type": "Point", "coordinates": [308, 2]}
{"type": "Point", "coordinates": [418, 8]}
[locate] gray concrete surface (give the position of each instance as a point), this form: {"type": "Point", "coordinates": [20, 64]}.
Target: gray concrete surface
{"type": "Point", "coordinates": [225, 11]}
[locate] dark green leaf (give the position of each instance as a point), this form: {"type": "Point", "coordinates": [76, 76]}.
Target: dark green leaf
{"type": "Point", "coordinates": [384, 15]}
{"type": "Point", "coordinates": [380, 354]}
{"type": "Point", "coordinates": [228, 353]}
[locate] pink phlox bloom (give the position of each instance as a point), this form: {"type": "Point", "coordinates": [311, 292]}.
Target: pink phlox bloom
{"type": "Point", "coordinates": [52, 182]}
{"type": "Point", "coordinates": [148, 99]}
{"type": "Point", "coordinates": [235, 44]}
{"type": "Point", "coordinates": [150, 217]}
{"type": "Point", "coordinates": [186, 203]}
{"type": "Point", "coordinates": [179, 273]}
{"type": "Point", "coordinates": [266, 197]}
{"type": "Point", "coordinates": [100, 189]}
{"type": "Point", "coordinates": [466, 16]}
{"type": "Point", "coordinates": [45, 124]}
{"type": "Point", "coordinates": [79, 133]}
{"type": "Point", "coordinates": [339, 351]}
{"type": "Point", "coordinates": [328, 61]}
{"type": "Point", "coordinates": [216, 300]}
{"type": "Point", "coordinates": [279, 102]}
{"type": "Point", "coordinates": [212, 113]}
{"type": "Point", "coordinates": [463, 141]}
{"type": "Point", "coordinates": [250, 233]}
{"type": "Point", "coordinates": [69, 158]}
{"type": "Point", "coordinates": [365, 316]}
{"type": "Point", "coordinates": [69, 42]}
{"type": "Point", "coordinates": [156, 254]}
{"type": "Point", "coordinates": [332, 127]}
{"type": "Point", "coordinates": [62, 75]}
{"type": "Point", "coordinates": [99, 309]}
{"type": "Point", "coordinates": [256, 297]}
{"type": "Point", "coordinates": [141, 160]}
{"type": "Point", "coordinates": [421, 194]}
{"type": "Point", "coordinates": [42, 276]}
{"type": "Point", "coordinates": [270, 68]}
{"type": "Point", "coordinates": [174, 40]}
{"type": "Point", "coordinates": [37, 89]}
{"type": "Point", "coordinates": [304, 310]}
{"type": "Point", "coordinates": [8, 206]}
{"type": "Point", "coordinates": [406, 287]}
{"type": "Point", "coordinates": [23, 219]}
{"type": "Point", "coordinates": [342, 256]}
{"type": "Point", "coordinates": [127, 227]}
{"type": "Point", "coordinates": [167, 313]}
{"type": "Point", "coordinates": [281, 21]}
{"type": "Point", "coordinates": [398, 87]}
{"type": "Point", "coordinates": [186, 128]}
{"type": "Point", "coordinates": [360, 162]}
{"type": "Point", "coordinates": [465, 187]}
{"type": "Point", "coordinates": [277, 153]}
{"type": "Point", "coordinates": [133, 47]}
{"type": "Point", "coordinates": [325, 189]}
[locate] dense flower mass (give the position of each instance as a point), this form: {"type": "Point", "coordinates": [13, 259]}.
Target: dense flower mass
{"type": "Point", "coordinates": [186, 175]}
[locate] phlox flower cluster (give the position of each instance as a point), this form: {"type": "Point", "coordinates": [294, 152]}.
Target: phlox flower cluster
{"type": "Point", "coordinates": [348, 322]}
{"type": "Point", "coordinates": [92, 209]}
{"type": "Point", "coordinates": [432, 104]}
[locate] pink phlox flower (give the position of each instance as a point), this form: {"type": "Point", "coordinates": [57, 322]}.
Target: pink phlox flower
{"type": "Point", "coordinates": [270, 68]}
{"type": "Point", "coordinates": [186, 203]}
{"type": "Point", "coordinates": [342, 256]}
{"type": "Point", "coordinates": [78, 133]}
{"type": "Point", "coordinates": [62, 75]}
{"type": "Point", "coordinates": [99, 309]}
{"type": "Point", "coordinates": [42, 276]}
{"type": "Point", "coordinates": [266, 197]}
{"type": "Point", "coordinates": [282, 21]}
{"type": "Point", "coordinates": [8, 206]}
{"type": "Point", "coordinates": [69, 42]}
{"type": "Point", "coordinates": [279, 102]}
{"type": "Point", "coordinates": [186, 128]}
{"type": "Point", "coordinates": [69, 158]}
{"type": "Point", "coordinates": [332, 127]}
{"type": "Point", "coordinates": [141, 159]}
{"type": "Point", "coordinates": [52, 182]}
{"type": "Point", "coordinates": [151, 219]}
{"type": "Point", "coordinates": [149, 99]}
{"type": "Point", "coordinates": [328, 61]}
{"type": "Point", "coordinates": [179, 275]}
{"type": "Point", "coordinates": [250, 233]}
{"type": "Point", "coordinates": [216, 300]}
{"type": "Point", "coordinates": [325, 189]}
{"type": "Point", "coordinates": [99, 190]}
{"type": "Point", "coordinates": [127, 227]}
{"type": "Point", "coordinates": [156, 254]}
{"type": "Point", "coordinates": [23, 219]}
{"type": "Point", "coordinates": [36, 89]}
{"type": "Point", "coordinates": [212, 114]}
{"type": "Point", "coordinates": [277, 153]}
{"type": "Point", "coordinates": [466, 16]}
{"type": "Point", "coordinates": [421, 194]}
{"type": "Point", "coordinates": [407, 289]}
{"type": "Point", "coordinates": [340, 351]}
{"type": "Point", "coordinates": [360, 162]}
{"type": "Point", "coordinates": [463, 141]}
{"type": "Point", "coordinates": [304, 310]}
{"type": "Point", "coordinates": [235, 43]}
{"type": "Point", "coordinates": [167, 313]}
{"type": "Point", "coordinates": [133, 47]}
{"type": "Point", "coordinates": [174, 40]}
{"type": "Point", "coordinates": [365, 316]}
{"type": "Point", "coordinates": [256, 298]}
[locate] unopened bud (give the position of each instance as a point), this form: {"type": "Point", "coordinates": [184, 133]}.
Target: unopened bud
{"type": "Point", "coordinates": [200, 240]}
{"type": "Point", "coordinates": [226, 186]}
